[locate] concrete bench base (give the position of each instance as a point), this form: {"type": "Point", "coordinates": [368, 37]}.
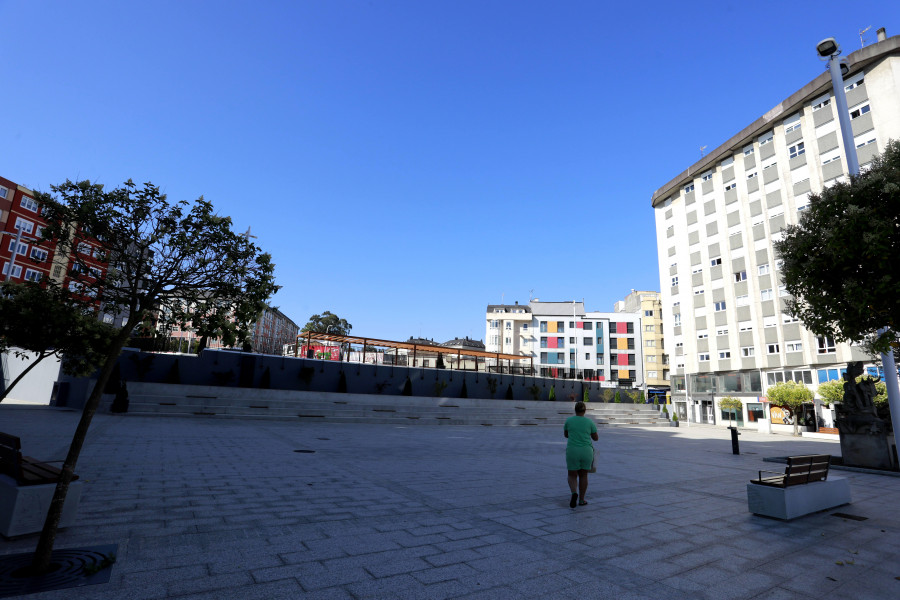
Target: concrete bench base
{"type": "Point", "coordinates": [798, 500]}
{"type": "Point", "coordinates": [23, 509]}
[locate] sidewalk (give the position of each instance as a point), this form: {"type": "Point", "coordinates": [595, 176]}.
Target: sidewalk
{"type": "Point", "coordinates": [228, 509]}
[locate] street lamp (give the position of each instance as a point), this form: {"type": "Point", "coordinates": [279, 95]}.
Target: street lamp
{"type": "Point", "coordinates": [829, 50]}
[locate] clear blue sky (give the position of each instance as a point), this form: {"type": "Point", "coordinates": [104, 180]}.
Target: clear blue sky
{"type": "Point", "coordinates": [408, 162]}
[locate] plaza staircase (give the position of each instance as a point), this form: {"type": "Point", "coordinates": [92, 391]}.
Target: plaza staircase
{"type": "Point", "coordinates": [171, 400]}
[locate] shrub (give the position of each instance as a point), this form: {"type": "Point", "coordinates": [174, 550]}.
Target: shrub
{"type": "Point", "coordinates": [509, 392]}
{"type": "Point", "coordinates": [552, 395]}
{"type": "Point", "coordinates": [407, 387]}
{"type": "Point", "coordinates": [342, 383]}
{"type": "Point", "coordinates": [464, 392]}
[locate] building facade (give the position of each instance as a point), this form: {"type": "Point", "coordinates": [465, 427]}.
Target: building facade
{"type": "Point", "coordinates": [273, 331]}
{"type": "Point", "coordinates": [722, 294]}
{"type": "Point", "coordinates": [648, 305]}
{"type": "Point", "coordinates": [568, 342]}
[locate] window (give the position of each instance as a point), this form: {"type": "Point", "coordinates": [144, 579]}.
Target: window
{"type": "Point", "coordinates": [571, 339]}
{"type": "Point", "coordinates": [745, 326]}
{"type": "Point", "coordinates": [792, 126]}
{"type": "Point", "coordinates": [765, 138]}
{"type": "Point", "coordinates": [751, 175]}
{"type": "Point", "coordinates": [763, 269]}
{"type": "Point", "coordinates": [524, 326]}
{"type": "Point", "coordinates": [57, 271]}
{"type": "Point", "coordinates": [24, 225]}
{"type": "Point", "coordinates": [689, 188]}
{"type": "Point", "coordinates": [587, 356]}
{"type": "Point", "coordinates": [725, 354]}
{"type": "Point", "coordinates": [702, 334]}
{"type": "Point", "coordinates": [649, 328]}
{"type": "Point", "coordinates": [859, 111]}
{"type": "Point", "coordinates": [862, 144]}
{"type": "Point", "coordinates": [748, 150]}
{"type": "Point", "coordinates": [740, 276]}
{"type": "Point", "coordinates": [507, 341]}
{"type": "Point", "coordinates": [560, 326]}
{"type": "Point", "coordinates": [650, 343]}
{"type": "Point", "coordinates": [571, 324]}
{"type": "Point", "coordinates": [588, 326]}
{"type": "Point", "coordinates": [698, 291]}
{"type": "Point", "coordinates": [794, 346]}
{"type": "Point", "coordinates": [765, 294]}
{"type": "Point", "coordinates": [721, 331]}
{"type": "Point", "coordinates": [826, 344]}
{"type": "Point", "coordinates": [648, 313]}
{"type": "Point", "coordinates": [770, 321]}
{"type": "Point", "coordinates": [748, 351]}
{"type": "Point", "coordinates": [629, 327]}
{"type": "Point", "coordinates": [495, 324]}
{"type": "Point", "coordinates": [697, 269]}
{"type": "Point", "coordinates": [652, 374]}
{"type": "Point", "coordinates": [742, 300]}
{"type": "Point", "coordinates": [631, 343]}
{"type": "Point", "coordinates": [631, 359]}
{"type": "Point", "coordinates": [772, 349]}
{"type": "Point", "coordinates": [4, 192]}
{"type": "Point", "coordinates": [651, 358]}
{"type": "Point", "coordinates": [779, 264]}
{"type": "Point", "coordinates": [796, 150]}
{"type": "Point", "coordinates": [730, 186]}
{"type": "Point", "coordinates": [786, 318]}
{"type": "Point", "coordinates": [543, 327]}
{"type": "Point", "coordinates": [704, 356]}
{"type": "Point", "coordinates": [677, 319]}
{"type": "Point", "coordinates": [38, 255]}
{"type": "Point", "coordinates": [720, 306]}
{"type": "Point", "coordinates": [707, 176]}
{"type": "Point", "coordinates": [855, 84]}
{"type": "Point", "coordinates": [822, 104]}
{"type": "Point", "coordinates": [16, 272]}
{"type": "Point", "coordinates": [508, 326]}
{"type": "Point", "coordinates": [679, 344]}
{"type": "Point", "coordinates": [560, 342]}
{"type": "Point", "coordinates": [543, 342]}
{"type": "Point", "coordinates": [29, 204]}
{"type": "Point", "coordinates": [22, 248]}
{"type": "Point", "coordinates": [588, 341]}
{"type": "Point", "coordinates": [715, 262]}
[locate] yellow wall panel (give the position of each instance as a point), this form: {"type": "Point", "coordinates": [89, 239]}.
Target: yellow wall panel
{"type": "Point", "coordinates": [551, 327]}
{"type": "Point", "coordinates": [623, 374]}
{"type": "Point", "coordinates": [622, 343]}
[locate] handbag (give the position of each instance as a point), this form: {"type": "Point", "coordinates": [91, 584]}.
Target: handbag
{"type": "Point", "coordinates": [593, 468]}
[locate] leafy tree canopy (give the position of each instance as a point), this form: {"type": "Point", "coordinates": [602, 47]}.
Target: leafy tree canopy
{"type": "Point", "coordinates": [790, 395]}
{"type": "Point", "coordinates": [730, 403]}
{"type": "Point", "coordinates": [328, 322]}
{"type": "Point", "coordinates": [833, 391]}
{"type": "Point", "coordinates": [44, 320]}
{"type": "Point", "coordinates": [840, 261]}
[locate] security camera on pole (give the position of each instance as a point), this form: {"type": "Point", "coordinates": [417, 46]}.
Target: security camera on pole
{"type": "Point", "coordinates": [829, 50]}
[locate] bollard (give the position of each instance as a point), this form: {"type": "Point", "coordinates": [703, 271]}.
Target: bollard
{"type": "Point", "coordinates": [735, 448]}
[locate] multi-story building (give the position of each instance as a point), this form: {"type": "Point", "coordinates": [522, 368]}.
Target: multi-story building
{"type": "Point", "coordinates": [722, 294]}
{"type": "Point", "coordinates": [648, 305]}
{"type": "Point", "coordinates": [568, 342]}
{"type": "Point", "coordinates": [20, 213]}
{"type": "Point", "coordinates": [273, 331]}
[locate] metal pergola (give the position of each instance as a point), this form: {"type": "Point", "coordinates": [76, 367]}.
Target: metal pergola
{"type": "Point", "coordinates": [309, 337]}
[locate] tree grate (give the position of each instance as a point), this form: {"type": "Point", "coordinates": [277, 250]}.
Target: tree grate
{"type": "Point", "coordinates": [73, 567]}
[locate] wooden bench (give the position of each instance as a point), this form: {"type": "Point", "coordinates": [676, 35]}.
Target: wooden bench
{"type": "Point", "coordinates": [799, 470]}
{"type": "Point", "coordinates": [26, 490]}
{"type": "Point", "coordinates": [24, 469]}
{"type": "Point", "coordinates": [802, 489]}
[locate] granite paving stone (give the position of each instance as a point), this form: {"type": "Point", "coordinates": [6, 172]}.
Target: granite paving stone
{"type": "Point", "coordinates": [207, 508]}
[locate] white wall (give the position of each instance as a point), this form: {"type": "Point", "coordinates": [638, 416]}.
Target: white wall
{"type": "Point", "coordinates": [37, 386]}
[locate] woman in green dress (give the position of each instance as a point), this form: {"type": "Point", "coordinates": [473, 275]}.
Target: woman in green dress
{"type": "Point", "coordinates": [579, 430]}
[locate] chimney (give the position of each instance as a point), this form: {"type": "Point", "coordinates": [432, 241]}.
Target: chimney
{"type": "Point", "coordinates": [882, 34]}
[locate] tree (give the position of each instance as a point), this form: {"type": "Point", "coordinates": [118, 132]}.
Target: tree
{"type": "Point", "coordinates": [731, 404]}
{"type": "Point", "coordinates": [44, 319]}
{"type": "Point", "coordinates": [172, 260]}
{"type": "Point", "coordinates": [831, 391]}
{"type": "Point", "coordinates": [840, 260]}
{"type": "Point", "coordinates": [328, 322]}
{"type": "Point", "coordinates": [790, 395]}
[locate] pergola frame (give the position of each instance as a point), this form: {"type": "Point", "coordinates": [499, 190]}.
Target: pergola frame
{"type": "Point", "coordinates": [310, 336]}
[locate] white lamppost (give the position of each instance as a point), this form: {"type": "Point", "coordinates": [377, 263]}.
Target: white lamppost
{"type": "Point", "coordinates": [829, 50]}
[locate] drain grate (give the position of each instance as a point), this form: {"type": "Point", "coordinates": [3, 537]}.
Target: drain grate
{"type": "Point", "coordinates": [851, 517]}
{"type": "Point", "coordinates": [75, 567]}
{"type": "Point", "coordinates": [305, 451]}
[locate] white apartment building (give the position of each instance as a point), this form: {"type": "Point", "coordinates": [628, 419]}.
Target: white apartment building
{"type": "Point", "coordinates": [568, 342]}
{"type": "Point", "coordinates": [722, 293]}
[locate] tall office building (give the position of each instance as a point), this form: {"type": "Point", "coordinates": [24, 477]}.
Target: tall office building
{"type": "Point", "coordinates": [648, 305]}
{"type": "Point", "coordinates": [722, 292]}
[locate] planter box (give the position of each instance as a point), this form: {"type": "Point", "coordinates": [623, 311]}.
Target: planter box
{"type": "Point", "coordinates": [23, 508]}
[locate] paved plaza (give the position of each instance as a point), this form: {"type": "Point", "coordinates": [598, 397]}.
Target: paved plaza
{"type": "Point", "coordinates": [219, 509]}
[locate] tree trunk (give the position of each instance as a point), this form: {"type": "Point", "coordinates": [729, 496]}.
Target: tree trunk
{"type": "Point", "coordinates": [22, 375]}
{"type": "Point", "coordinates": [41, 562]}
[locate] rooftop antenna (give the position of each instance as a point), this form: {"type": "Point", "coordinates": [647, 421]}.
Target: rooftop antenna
{"type": "Point", "coordinates": [248, 235]}
{"type": "Point", "coordinates": [530, 295]}
{"type": "Point", "coordinates": [862, 39]}
{"type": "Point", "coordinates": [702, 148]}
{"type": "Point", "coordinates": [502, 296]}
